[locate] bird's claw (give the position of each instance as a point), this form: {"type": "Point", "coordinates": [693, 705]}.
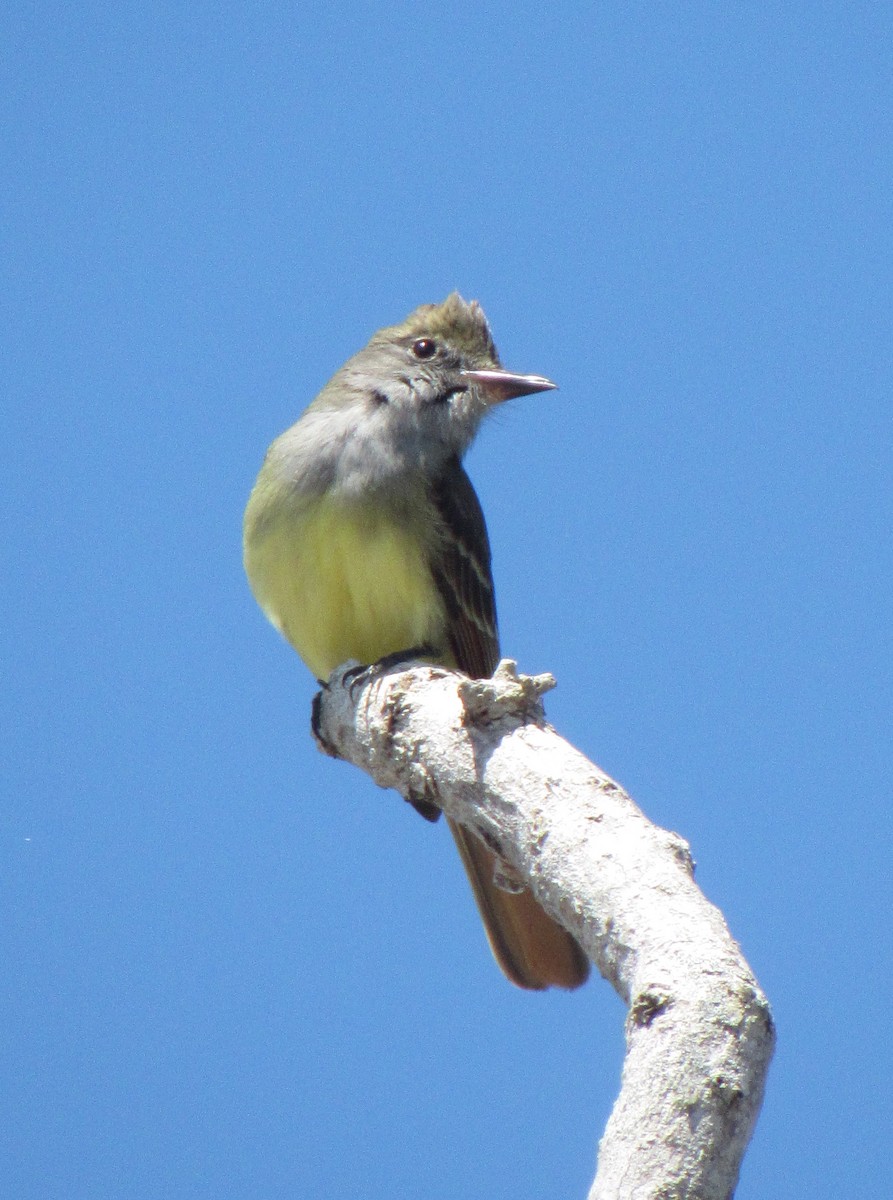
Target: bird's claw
{"type": "Point", "coordinates": [359, 676]}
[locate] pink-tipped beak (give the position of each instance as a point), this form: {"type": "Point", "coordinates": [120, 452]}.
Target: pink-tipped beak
{"type": "Point", "coordinates": [499, 386]}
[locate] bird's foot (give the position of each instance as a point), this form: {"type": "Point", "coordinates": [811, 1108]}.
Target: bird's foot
{"type": "Point", "coordinates": [359, 676]}
{"type": "Point", "coordinates": [316, 724]}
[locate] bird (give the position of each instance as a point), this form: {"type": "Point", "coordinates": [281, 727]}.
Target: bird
{"type": "Point", "coordinates": [364, 539]}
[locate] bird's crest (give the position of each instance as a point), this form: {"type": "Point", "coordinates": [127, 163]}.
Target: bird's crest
{"type": "Point", "coordinates": [460, 322]}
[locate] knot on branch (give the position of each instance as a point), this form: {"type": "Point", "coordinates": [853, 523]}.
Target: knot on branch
{"type": "Point", "coordinates": [681, 851]}
{"type": "Point", "coordinates": [507, 694]}
{"type": "Point", "coordinates": [647, 1006]}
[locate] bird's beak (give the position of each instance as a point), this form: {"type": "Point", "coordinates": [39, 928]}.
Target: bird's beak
{"type": "Point", "coordinates": [498, 385]}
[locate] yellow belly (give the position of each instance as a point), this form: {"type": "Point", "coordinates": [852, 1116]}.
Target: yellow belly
{"type": "Point", "coordinates": [341, 586]}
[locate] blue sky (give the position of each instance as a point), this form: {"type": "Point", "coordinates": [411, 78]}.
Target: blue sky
{"type": "Point", "coordinates": [236, 968]}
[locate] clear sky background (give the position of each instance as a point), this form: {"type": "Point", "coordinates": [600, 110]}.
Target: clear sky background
{"type": "Point", "coordinates": [234, 968]}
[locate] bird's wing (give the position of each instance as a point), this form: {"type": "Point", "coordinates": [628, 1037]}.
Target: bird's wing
{"type": "Point", "coordinates": [461, 569]}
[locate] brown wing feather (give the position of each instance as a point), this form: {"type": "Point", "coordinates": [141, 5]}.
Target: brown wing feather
{"type": "Point", "coordinates": [462, 573]}
{"type": "Point", "coordinates": [533, 950]}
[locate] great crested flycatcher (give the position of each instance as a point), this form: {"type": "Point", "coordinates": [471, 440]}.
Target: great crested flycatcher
{"type": "Point", "coordinates": [364, 538]}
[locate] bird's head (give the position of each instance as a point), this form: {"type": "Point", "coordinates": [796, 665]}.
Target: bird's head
{"type": "Point", "coordinates": [427, 382]}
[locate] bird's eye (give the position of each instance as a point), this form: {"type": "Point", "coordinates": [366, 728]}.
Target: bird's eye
{"type": "Point", "coordinates": [424, 347]}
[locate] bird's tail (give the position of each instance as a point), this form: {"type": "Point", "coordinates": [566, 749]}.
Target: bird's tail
{"type": "Point", "coordinates": [532, 949]}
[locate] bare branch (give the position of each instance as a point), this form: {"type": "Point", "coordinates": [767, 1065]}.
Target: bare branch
{"type": "Point", "coordinates": [699, 1030]}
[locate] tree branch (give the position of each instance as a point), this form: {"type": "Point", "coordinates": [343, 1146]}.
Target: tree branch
{"type": "Point", "coordinates": [699, 1030]}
